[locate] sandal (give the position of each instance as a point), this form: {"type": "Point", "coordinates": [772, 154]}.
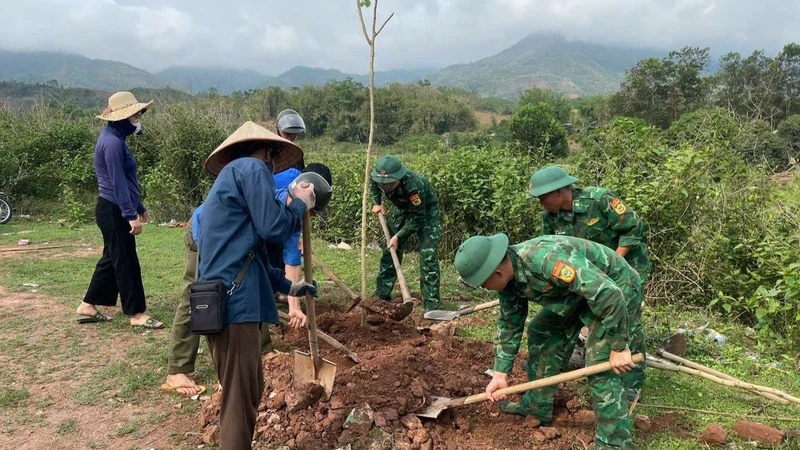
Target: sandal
{"type": "Point", "coordinates": [152, 324]}
{"type": "Point", "coordinates": [96, 318]}
{"type": "Point", "coordinates": [170, 388]}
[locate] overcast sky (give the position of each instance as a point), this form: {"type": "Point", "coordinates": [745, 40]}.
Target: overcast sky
{"type": "Point", "coordinates": [271, 36]}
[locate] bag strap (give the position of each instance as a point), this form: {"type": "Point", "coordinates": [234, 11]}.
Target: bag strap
{"type": "Point", "coordinates": [196, 263]}
{"type": "Point", "coordinates": [240, 276]}
{"type": "Point", "coordinates": [251, 255]}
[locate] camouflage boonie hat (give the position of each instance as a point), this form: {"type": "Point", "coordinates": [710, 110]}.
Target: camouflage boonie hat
{"type": "Point", "coordinates": [388, 170]}
{"type": "Point", "coordinates": [478, 257]}
{"type": "Point", "coordinates": [548, 179]}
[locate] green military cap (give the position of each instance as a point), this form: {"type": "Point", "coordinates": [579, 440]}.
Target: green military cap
{"type": "Point", "coordinates": [479, 256]}
{"type": "Point", "coordinates": [548, 179]}
{"type": "Point", "coordinates": [388, 170]}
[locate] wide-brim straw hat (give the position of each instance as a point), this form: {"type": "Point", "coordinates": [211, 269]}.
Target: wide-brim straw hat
{"type": "Point", "coordinates": [247, 134]}
{"type": "Point", "coordinates": [121, 106]}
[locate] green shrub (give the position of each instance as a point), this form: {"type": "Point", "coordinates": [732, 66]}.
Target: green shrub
{"type": "Point", "coordinates": [535, 127]}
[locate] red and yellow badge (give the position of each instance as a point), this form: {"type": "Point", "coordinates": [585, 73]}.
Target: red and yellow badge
{"type": "Point", "coordinates": [564, 272]}
{"type": "Point", "coordinates": [592, 221]}
{"type": "Point", "coordinates": [618, 206]}
{"type": "Point", "coordinates": [415, 200]}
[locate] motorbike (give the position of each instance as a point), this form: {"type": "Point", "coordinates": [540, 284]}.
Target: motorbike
{"type": "Point", "coordinates": [5, 209]}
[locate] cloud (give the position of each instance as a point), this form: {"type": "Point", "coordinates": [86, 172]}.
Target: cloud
{"type": "Point", "coordinates": [271, 36]}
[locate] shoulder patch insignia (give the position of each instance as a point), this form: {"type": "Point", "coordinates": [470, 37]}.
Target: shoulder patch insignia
{"type": "Point", "coordinates": [592, 221]}
{"type": "Point", "coordinates": [564, 272]}
{"type": "Point", "coordinates": [415, 200]}
{"type": "Point", "coordinates": [618, 206]}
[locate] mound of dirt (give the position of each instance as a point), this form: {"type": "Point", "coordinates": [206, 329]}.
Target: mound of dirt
{"type": "Point", "coordinates": [400, 370]}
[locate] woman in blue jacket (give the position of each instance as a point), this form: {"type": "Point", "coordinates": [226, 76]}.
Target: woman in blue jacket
{"type": "Point", "coordinates": [119, 214]}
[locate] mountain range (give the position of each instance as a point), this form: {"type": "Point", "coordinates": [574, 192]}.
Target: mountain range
{"type": "Point", "coordinates": [542, 60]}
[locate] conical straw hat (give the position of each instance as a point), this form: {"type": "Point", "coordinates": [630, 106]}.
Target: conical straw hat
{"type": "Point", "coordinates": [248, 133]}
{"type": "Point", "coordinates": [122, 105]}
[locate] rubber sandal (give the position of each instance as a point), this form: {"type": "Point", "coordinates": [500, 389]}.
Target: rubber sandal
{"type": "Point", "coordinates": [96, 318]}
{"type": "Point", "coordinates": [170, 388]}
{"type": "Point", "coordinates": [152, 324]}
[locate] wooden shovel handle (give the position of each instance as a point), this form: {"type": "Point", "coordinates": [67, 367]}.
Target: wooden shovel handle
{"type": "Point", "coordinates": [675, 358]}
{"type": "Point", "coordinates": [726, 382]}
{"type": "Point", "coordinates": [332, 276]}
{"type": "Point", "coordinates": [327, 338]}
{"type": "Point", "coordinates": [480, 307]}
{"type": "Point", "coordinates": [311, 312]}
{"type": "Point", "coordinates": [400, 278]}
{"type": "Point", "coordinates": [549, 381]}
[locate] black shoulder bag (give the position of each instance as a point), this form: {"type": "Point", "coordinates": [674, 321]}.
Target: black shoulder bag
{"type": "Point", "coordinates": [208, 300]}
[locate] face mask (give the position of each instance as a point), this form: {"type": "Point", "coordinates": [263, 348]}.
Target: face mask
{"type": "Point", "coordinates": [138, 126]}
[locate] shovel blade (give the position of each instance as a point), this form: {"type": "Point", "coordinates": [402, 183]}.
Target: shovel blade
{"type": "Point", "coordinates": [356, 302]}
{"type": "Point", "coordinates": [432, 411]}
{"type": "Point", "coordinates": [305, 373]}
{"type": "Point", "coordinates": [396, 312]}
{"type": "Point", "coordinates": [440, 314]}
{"type": "Point", "coordinates": [675, 344]}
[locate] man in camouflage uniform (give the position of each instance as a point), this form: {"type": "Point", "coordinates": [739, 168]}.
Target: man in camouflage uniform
{"type": "Point", "coordinates": [418, 207]}
{"type": "Point", "coordinates": [576, 282]}
{"type": "Point", "coordinates": [592, 213]}
{"type": "Point", "coordinates": [599, 215]}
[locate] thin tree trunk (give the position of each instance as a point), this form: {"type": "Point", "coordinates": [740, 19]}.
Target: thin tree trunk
{"type": "Point", "coordinates": [365, 193]}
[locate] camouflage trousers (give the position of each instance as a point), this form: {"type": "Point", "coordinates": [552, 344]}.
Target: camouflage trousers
{"type": "Point", "coordinates": [428, 236]}
{"type": "Point", "coordinates": [551, 339]}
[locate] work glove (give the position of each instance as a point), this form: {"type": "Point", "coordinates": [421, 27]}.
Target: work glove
{"type": "Point", "coordinates": [305, 192]}
{"type": "Point", "coordinates": [299, 288]}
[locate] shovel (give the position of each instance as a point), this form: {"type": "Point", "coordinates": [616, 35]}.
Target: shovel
{"type": "Point", "coordinates": [450, 315]}
{"type": "Point", "coordinates": [400, 277]}
{"type": "Point", "coordinates": [332, 276]}
{"type": "Point", "coordinates": [439, 404]}
{"type": "Point", "coordinates": [675, 346]}
{"type": "Point", "coordinates": [329, 339]}
{"type": "Point", "coordinates": [310, 368]}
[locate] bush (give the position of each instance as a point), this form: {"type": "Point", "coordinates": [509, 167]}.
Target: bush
{"type": "Point", "coordinates": [535, 127]}
{"type": "Point", "coordinates": [719, 235]}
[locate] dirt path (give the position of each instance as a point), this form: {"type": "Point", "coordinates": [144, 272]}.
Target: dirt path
{"type": "Point", "coordinates": [70, 386]}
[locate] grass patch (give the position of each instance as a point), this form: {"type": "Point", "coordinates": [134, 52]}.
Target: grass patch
{"type": "Point", "coordinates": [68, 426]}
{"type": "Point", "coordinates": [129, 427]}
{"type": "Point", "coordinates": [10, 397]}
{"type": "Point", "coordinates": [89, 393]}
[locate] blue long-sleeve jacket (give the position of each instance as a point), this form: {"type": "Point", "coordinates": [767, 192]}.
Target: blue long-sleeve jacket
{"type": "Point", "coordinates": [240, 211]}
{"type": "Point", "coordinates": [115, 169]}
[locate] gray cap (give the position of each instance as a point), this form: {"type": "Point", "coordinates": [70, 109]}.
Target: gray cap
{"type": "Point", "coordinates": [322, 191]}
{"type": "Point", "coordinates": [289, 121]}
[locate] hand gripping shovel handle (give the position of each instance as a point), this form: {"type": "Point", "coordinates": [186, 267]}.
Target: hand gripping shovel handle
{"type": "Point", "coordinates": [400, 277]}
{"type": "Point", "coordinates": [549, 381]}
{"type": "Point", "coordinates": [311, 311]}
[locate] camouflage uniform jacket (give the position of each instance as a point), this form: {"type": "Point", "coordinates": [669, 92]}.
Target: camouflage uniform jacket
{"type": "Point", "coordinates": [600, 216]}
{"type": "Point", "coordinates": [415, 198]}
{"type": "Point", "coordinates": [565, 275]}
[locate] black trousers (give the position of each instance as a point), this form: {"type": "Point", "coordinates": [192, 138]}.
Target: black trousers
{"type": "Point", "coordinates": [118, 271]}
